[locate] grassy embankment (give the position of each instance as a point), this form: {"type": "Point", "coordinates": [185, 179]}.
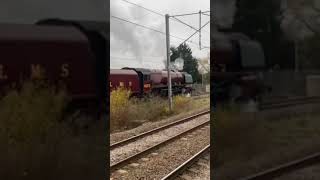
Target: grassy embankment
{"type": "Point", "coordinates": [36, 144]}
{"type": "Point", "coordinates": [127, 113]}
{"type": "Point", "coordinates": [246, 144]}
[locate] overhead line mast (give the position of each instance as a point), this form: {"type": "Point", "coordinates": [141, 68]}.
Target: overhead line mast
{"type": "Point", "coordinates": [167, 20]}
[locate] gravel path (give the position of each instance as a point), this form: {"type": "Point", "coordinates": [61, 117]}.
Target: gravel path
{"type": "Point", "coordinates": [115, 137]}
{"type": "Point", "coordinates": [125, 151]}
{"type": "Point", "coordinates": [308, 173]}
{"type": "Point", "coordinates": [198, 171]}
{"type": "Point", "coordinates": [167, 158]}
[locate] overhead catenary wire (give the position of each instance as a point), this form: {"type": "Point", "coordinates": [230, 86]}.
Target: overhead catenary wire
{"type": "Point", "coordinates": [206, 11]}
{"type": "Point", "coordinates": [205, 14]}
{"type": "Point", "coordinates": [149, 28]}
{"type": "Point", "coordinates": [194, 33]}
{"type": "Point", "coordinates": [147, 9]}
{"type": "Point", "coordinates": [160, 14]}
{"type": "Point", "coordinates": [185, 14]}
{"type": "Point", "coordinates": [187, 24]}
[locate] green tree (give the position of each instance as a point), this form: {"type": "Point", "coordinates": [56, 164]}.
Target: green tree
{"type": "Point", "coordinates": [190, 63]}
{"type": "Point", "coordinates": [260, 20]}
{"type": "Point", "coordinates": [309, 53]}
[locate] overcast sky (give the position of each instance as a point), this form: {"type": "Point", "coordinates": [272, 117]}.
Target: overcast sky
{"type": "Point", "coordinates": [134, 46]}
{"type": "Point", "coordinates": [29, 11]}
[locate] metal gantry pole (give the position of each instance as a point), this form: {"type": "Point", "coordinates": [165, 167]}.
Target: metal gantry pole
{"type": "Point", "coordinates": [168, 62]}
{"type": "Point", "coordinates": [200, 29]}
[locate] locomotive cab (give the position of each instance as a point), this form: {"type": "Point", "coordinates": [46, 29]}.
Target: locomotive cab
{"type": "Point", "coordinates": [188, 81]}
{"type": "Point", "coordinates": [144, 80]}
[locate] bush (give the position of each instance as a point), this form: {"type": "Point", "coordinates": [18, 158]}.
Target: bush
{"type": "Point", "coordinates": [180, 102]}
{"type": "Point", "coordinates": [130, 112]}
{"type": "Point", "coordinates": [119, 107]}
{"type": "Point", "coordinates": [148, 109]}
{"type": "Point", "coordinates": [30, 128]}
{"type": "Point", "coordinates": [31, 113]}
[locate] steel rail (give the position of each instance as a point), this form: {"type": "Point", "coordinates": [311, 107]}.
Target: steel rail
{"type": "Point", "coordinates": [286, 168]}
{"type": "Point", "coordinates": [288, 102]}
{"type": "Point", "coordinates": [283, 100]}
{"type": "Point", "coordinates": [176, 172]}
{"type": "Point", "coordinates": [126, 161]}
{"type": "Point", "coordinates": [152, 131]}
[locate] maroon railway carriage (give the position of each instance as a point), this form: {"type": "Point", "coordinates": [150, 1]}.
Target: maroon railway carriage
{"type": "Point", "coordinates": [125, 78]}
{"type": "Point", "coordinates": [57, 53]}
{"type": "Point", "coordinates": [97, 39]}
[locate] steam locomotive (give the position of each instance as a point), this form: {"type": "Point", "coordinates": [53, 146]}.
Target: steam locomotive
{"type": "Point", "coordinates": [143, 82]}
{"type": "Point", "coordinates": [237, 65]}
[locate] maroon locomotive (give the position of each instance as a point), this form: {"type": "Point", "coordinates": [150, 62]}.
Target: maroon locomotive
{"type": "Point", "coordinates": [142, 81]}
{"type": "Point", "coordinates": [237, 65]}
{"type": "Point", "coordinates": [71, 52]}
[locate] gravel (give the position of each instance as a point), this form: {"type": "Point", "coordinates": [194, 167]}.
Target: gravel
{"type": "Point", "coordinates": [115, 137]}
{"type": "Point", "coordinates": [125, 151]}
{"type": "Point", "coordinates": [198, 171]}
{"type": "Point", "coordinates": [284, 140]}
{"type": "Point", "coordinates": [169, 157]}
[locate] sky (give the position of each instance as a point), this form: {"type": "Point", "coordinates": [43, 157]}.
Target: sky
{"type": "Point", "coordinates": [29, 11]}
{"type": "Point", "coordinates": [134, 46]}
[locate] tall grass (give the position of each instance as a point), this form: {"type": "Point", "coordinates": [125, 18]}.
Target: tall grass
{"type": "Point", "coordinates": [36, 142]}
{"type": "Point", "coordinates": [30, 128]}
{"type": "Point", "coordinates": [129, 112]}
{"type": "Point", "coordinates": [181, 102]}
{"type": "Point", "coordinates": [119, 107]}
{"type": "Point", "coordinates": [236, 134]}
{"type": "Point", "coordinates": [31, 113]}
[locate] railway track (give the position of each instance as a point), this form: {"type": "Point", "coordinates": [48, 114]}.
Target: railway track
{"type": "Point", "coordinates": [286, 168]}
{"type": "Point", "coordinates": [149, 149]}
{"type": "Point", "coordinates": [152, 131]}
{"type": "Point", "coordinates": [282, 103]}
{"type": "Point", "coordinates": [178, 173]}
